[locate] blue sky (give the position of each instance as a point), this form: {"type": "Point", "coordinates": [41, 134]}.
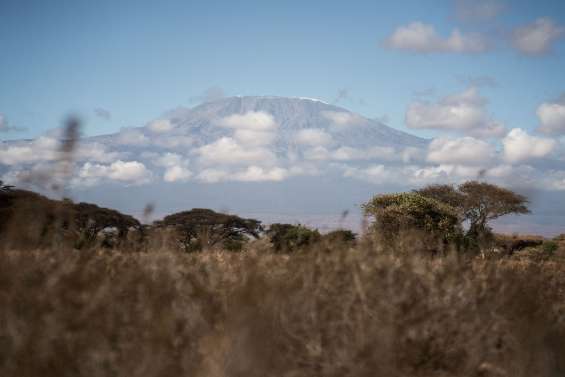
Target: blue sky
{"type": "Point", "coordinates": [137, 59]}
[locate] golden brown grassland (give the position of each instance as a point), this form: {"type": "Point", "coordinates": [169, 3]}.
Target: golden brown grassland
{"type": "Point", "coordinates": [351, 311]}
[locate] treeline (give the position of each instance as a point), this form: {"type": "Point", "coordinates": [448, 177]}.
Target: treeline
{"type": "Point", "coordinates": [435, 219]}
{"type": "Point", "coordinates": [32, 221]}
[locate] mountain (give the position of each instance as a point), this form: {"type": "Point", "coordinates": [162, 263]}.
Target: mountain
{"type": "Point", "coordinates": [291, 115]}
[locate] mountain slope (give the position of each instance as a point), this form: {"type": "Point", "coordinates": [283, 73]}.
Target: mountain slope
{"type": "Point", "coordinates": [291, 115]}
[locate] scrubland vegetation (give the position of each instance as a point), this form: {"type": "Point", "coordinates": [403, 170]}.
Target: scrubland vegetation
{"type": "Point", "coordinates": [87, 291]}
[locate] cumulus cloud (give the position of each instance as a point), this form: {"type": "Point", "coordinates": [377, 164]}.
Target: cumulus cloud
{"type": "Point", "coordinates": [160, 126]}
{"type": "Point", "coordinates": [252, 120]}
{"type": "Point", "coordinates": [228, 151]}
{"type": "Point", "coordinates": [313, 137]}
{"type": "Point", "coordinates": [254, 128]}
{"type": "Point", "coordinates": [250, 174]}
{"type": "Point", "coordinates": [341, 119]}
{"type": "Point", "coordinates": [460, 151]}
{"type": "Point", "coordinates": [478, 10]}
{"type": "Point", "coordinates": [552, 116]}
{"type": "Point", "coordinates": [213, 175]}
{"type": "Point", "coordinates": [102, 113]}
{"type": "Point", "coordinates": [538, 37]}
{"type": "Point", "coordinates": [169, 159]}
{"type": "Point", "coordinates": [422, 38]}
{"type": "Point", "coordinates": [176, 167]}
{"type": "Point", "coordinates": [41, 149]}
{"type": "Point", "coordinates": [173, 141]}
{"type": "Point", "coordinates": [317, 153]}
{"type": "Point", "coordinates": [177, 174]}
{"type": "Point", "coordinates": [253, 137]}
{"type": "Point", "coordinates": [464, 112]}
{"type": "Point", "coordinates": [129, 172]}
{"type": "Point", "coordinates": [132, 136]}
{"type": "Point", "coordinates": [374, 173]}
{"type": "Point", "coordinates": [519, 146]}
{"type": "Point", "coordinates": [96, 152]}
{"type": "Point", "coordinates": [259, 174]}
{"type": "Point", "coordinates": [412, 174]}
{"type": "Point", "coordinates": [373, 153]}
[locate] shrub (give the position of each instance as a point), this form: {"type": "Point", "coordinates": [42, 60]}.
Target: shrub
{"type": "Point", "coordinates": [290, 238]}
{"type": "Point", "coordinates": [397, 215]}
{"type": "Point", "coordinates": [550, 247]}
{"type": "Point", "coordinates": [339, 237]}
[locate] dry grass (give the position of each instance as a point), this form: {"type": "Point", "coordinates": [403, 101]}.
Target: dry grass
{"type": "Point", "coordinates": [343, 313]}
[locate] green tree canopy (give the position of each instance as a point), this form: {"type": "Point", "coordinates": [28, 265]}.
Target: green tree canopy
{"type": "Point", "coordinates": [478, 203]}
{"type": "Point", "coordinates": [90, 220]}
{"type": "Point", "coordinates": [290, 238]}
{"type": "Point", "coordinates": [396, 214]}
{"type": "Point", "coordinates": [201, 228]}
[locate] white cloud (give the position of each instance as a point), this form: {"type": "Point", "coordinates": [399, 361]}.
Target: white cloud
{"type": "Point", "coordinates": [443, 173]}
{"type": "Point", "coordinates": [252, 120]}
{"type": "Point", "coordinates": [160, 126]}
{"type": "Point", "coordinates": [373, 153]}
{"type": "Point", "coordinates": [341, 118]}
{"type": "Point", "coordinates": [250, 174]}
{"type": "Point", "coordinates": [313, 137]}
{"type": "Point", "coordinates": [176, 167]}
{"type": "Point", "coordinates": [465, 112]}
{"type": "Point", "coordinates": [169, 159]}
{"type": "Point", "coordinates": [478, 10]}
{"type": "Point", "coordinates": [177, 174]}
{"type": "Point", "coordinates": [552, 117]}
{"type": "Point", "coordinates": [173, 141]}
{"type": "Point", "coordinates": [538, 37]}
{"type": "Point", "coordinates": [212, 175]}
{"type": "Point", "coordinates": [412, 154]}
{"type": "Point", "coordinates": [318, 153]}
{"type": "Point", "coordinates": [252, 128]}
{"type": "Point", "coordinates": [519, 146]}
{"type": "Point", "coordinates": [258, 174]}
{"type": "Point", "coordinates": [129, 172]}
{"type": "Point", "coordinates": [412, 175]}
{"type": "Point", "coordinates": [132, 136]}
{"type": "Point", "coordinates": [461, 151]}
{"type": "Point", "coordinates": [253, 137]}
{"type": "Point", "coordinates": [228, 151]}
{"type": "Point", "coordinates": [41, 149]}
{"type": "Point", "coordinates": [96, 152]}
{"type": "Point", "coordinates": [423, 38]}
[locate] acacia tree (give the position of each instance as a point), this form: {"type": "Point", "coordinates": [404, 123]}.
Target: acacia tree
{"type": "Point", "coordinates": [484, 202]}
{"type": "Point", "coordinates": [396, 215]}
{"type": "Point", "coordinates": [90, 220]}
{"type": "Point", "coordinates": [200, 229]}
{"type": "Point", "coordinates": [478, 203]}
{"type": "Point", "coordinates": [447, 194]}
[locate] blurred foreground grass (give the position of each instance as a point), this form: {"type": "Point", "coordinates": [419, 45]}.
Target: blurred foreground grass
{"type": "Point", "coordinates": [350, 312]}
